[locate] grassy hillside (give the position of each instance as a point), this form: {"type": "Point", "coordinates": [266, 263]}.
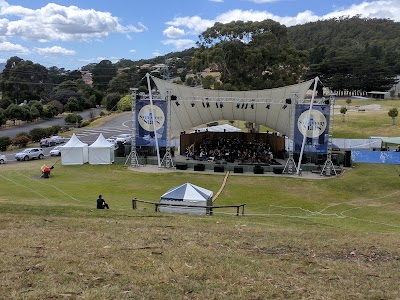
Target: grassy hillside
{"type": "Point", "coordinates": [335, 238]}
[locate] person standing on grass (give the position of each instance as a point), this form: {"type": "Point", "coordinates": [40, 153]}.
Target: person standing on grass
{"type": "Point", "coordinates": [101, 203]}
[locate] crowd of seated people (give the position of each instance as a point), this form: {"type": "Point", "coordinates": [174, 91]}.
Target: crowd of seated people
{"type": "Point", "coordinates": [231, 150]}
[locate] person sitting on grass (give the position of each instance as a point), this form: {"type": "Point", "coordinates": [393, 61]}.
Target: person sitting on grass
{"type": "Point", "coordinates": [101, 204]}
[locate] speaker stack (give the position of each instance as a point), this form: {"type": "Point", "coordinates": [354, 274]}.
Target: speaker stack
{"type": "Point", "coordinates": [199, 167]}
{"type": "Point", "coordinates": [219, 168]}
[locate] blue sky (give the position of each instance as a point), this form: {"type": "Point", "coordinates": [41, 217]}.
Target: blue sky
{"type": "Point", "coordinates": [70, 33]}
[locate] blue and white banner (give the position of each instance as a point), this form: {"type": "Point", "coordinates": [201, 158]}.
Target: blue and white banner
{"type": "Point", "coordinates": [315, 125]}
{"type": "Point", "coordinates": [376, 157]}
{"type": "Point", "coordinates": [144, 123]}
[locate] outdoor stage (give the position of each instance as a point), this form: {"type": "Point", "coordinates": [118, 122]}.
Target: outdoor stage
{"type": "Point", "coordinates": [183, 164]}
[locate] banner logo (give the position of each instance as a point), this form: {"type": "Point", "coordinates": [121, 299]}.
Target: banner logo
{"type": "Point", "coordinates": [145, 118]}
{"type": "Point", "coordinates": [315, 126]}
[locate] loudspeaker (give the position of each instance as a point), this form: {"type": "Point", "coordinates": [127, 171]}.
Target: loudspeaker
{"type": "Point", "coordinates": [199, 167]}
{"type": "Point", "coordinates": [347, 159]}
{"type": "Point", "coordinates": [219, 169]}
{"type": "Point", "coordinates": [277, 170]}
{"type": "Point", "coordinates": [120, 152]}
{"type": "Point", "coordinates": [258, 170]}
{"type": "Point", "coordinates": [181, 166]}
{"type": "Point", "coordinates": [237, 169]}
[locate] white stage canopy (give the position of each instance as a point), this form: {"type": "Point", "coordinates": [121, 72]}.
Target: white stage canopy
{"type": "Point", "coordinates": [194, 106]}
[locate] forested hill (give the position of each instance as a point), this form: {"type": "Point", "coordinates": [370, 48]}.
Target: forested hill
{"type": "Point", "coordinates": [346, 32]}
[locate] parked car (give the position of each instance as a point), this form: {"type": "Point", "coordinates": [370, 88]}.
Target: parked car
{"type": "Point", "coordinates": [58, 139]}
{"type": "Point", "coordinates": [123, 138]}
{"type": "Point", "coordinates": [56, 151]}
{"type": "Point", "coordinates": [47, 142]}
{"type": "Point", "coordinates": [52, 141]}
{"type": "Point", "coordinates": [2, 159]}
{"type": "Point", "coordinates": [30, 153]}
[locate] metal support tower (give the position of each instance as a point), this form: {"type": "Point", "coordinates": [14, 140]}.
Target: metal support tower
{"type": "Point", "coordinates": [329, 168]}
{"type": "Point", "coordinates": [167, 159]}
{"type": "Point", "coordinates": [290, 166]}
{"type": "Point", "coordinates": [134, 162]}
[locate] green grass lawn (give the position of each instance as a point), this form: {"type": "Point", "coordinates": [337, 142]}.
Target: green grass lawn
{"type": "Point", "coordinates": [300, 238]}
{"type": "Point", "coordinates": [333, 238]}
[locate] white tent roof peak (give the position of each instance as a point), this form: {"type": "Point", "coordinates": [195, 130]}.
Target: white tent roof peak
{"type": "Point", "coordinates": [187, 191]}
{"type": "Point", "coordinates": [74, 142]}
{"type": "Point", "coordinates": [101, 142]}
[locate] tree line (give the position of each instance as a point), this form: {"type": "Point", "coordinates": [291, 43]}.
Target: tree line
{"type": "Point", "coordinates": [352, 56]}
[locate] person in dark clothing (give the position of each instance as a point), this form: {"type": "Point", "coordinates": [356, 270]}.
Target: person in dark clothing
{"type": "Point", "coordinates": [101, 204]}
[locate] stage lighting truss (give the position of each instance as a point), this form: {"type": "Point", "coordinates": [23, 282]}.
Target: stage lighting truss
{"type": "Point", "coordinates": [240, 103]}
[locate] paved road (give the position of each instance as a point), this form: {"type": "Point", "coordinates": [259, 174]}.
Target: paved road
{"type": "Point", "coordinates": [122, 123]}
{"type": "Point", "coordinates": [59, 120]}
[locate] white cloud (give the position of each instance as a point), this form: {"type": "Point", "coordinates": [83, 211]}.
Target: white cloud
{"type": "Point", "coordinates": [195, 24]}
{"type": "Point", "coordinates": [173, 32]}
{"type": "Point", "coordinates": [180, 44]}
{"type": "Point", "coordinates": [55, 50]}
{"type": "Point", "coordinates": [219, 1]}
{"type": "Point", "coordinates": [388, 9]}
{"type": "Point", "coordinates": [143, 26]}
{"type": "Point", "coordinates": [9, 47]}
{"type": "Point", "coordinates": [62, 23]}
{"type": "Point", "coordinates": [132, 51]}
{"type": "Point", "coordinates": [157, 53]}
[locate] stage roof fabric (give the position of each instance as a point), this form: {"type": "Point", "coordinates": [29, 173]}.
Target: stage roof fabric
{"type": "Point", "coordinates": [192, 107]}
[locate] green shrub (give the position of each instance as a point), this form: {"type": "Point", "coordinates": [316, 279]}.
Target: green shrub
{"type": "Point", "coordinates": [5, 141]}
{"type": "Point", "coordinates": [84, 123]}
{"type": "Point", "coordinates": [21, 141]}
{"type": "Point", "coordinates": [37, 134]}
{"type": "Point", "coordinates": [73, 119]}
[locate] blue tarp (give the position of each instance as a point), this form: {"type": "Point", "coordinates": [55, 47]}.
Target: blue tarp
{"type": "Point", "coordinates": [376, 157]}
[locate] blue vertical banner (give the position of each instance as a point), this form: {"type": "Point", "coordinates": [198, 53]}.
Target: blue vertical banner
{"type": "Point", "coordinates": [315, 125]}
{"type": "Point", "coordinates": [144, 123]}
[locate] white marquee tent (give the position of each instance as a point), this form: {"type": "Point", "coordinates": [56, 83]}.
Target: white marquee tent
{"type": "Point", "coordinates": [187, 194]}
{"type": "Point", "coordinates": [74, 152]}
{"type": "Point", "coordinates": [101, 152]}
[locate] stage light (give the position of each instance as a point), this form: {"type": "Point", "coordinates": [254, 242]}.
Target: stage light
{"type": "Point", "coordinates": [208, 104]}
{"type": "Point", "coordinates": [221, 105]}
{"type": "Point", "coordinates": [238, 105]}
{"type": "Point", "coordinates": [288, 101]}
{"type": "Point", "coordinates": [177, 103]}
{"type": "Point", "coordinates": [252, 106]}
{"type": "Point", "coordinates": [173, 97]}
{"type": "Point", "coordinates": [203, 105]}
{"type": "Point", "coordinates": [242, 105]}
{"type": "Point", "coordinates": [246, 106]}
{"type": "Point", "coordinates": [284, 107]}
{"type": "Point", "coordinates": [268, 106]}
{"type": "Point", "coordinates": [216, 104]}
{"type": "Point", "coordinates": [192, 104]}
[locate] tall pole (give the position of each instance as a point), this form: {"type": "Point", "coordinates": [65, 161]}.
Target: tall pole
{"type": "Point", "coordinates": [307, 121]}
{"type": "Point", "coordinates": [153, 119]}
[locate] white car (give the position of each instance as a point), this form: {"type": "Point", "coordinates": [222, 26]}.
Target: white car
{"type": "Point", "coordinates": [2, 159]}
{"type": "Point", "coordinates": [56, 151]}
{"type": "Point", "coordinates": [30, 153]}
{"type": "Point", "coordinates": [123, 138]}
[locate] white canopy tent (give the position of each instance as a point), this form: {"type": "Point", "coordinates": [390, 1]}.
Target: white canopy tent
{"type": "Point", "coordinates": [74, 152]}
{"type": "Point", "coordinates": [101, 152]}
{"type": "Point", "coordinates": [188, 194]}
{"type": "Point", "coordinates": [192, 107]}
